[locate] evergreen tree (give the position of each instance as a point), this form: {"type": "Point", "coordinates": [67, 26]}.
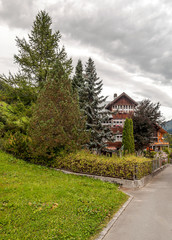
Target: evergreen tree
{"type": "Point", "coordinates": [128, 137]}
{"type": "Point", "coordinates": [78, 82]}
{"type": "Point", "coordinates": [93, 105]}
{"type": "Point", "coordinates": [57, 123]}
{"type": "Point", "coordinates": [37, 56]}
{"type": "Point", "coordinates": [132, 145]}
{"type": "Point", "coordinates": [78, 79]}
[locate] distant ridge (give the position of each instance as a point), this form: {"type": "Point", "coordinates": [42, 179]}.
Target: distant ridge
{"type": "Point", "coordinates": [168, 126]}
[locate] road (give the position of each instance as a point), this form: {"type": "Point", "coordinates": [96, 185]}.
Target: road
{"type": "Point", "coordinates": [149, 215]}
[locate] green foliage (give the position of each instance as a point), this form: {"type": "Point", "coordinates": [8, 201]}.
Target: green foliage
{"type": "Point", "coordinates": [146, 116]}
{"type": "Point", "coordinates": [13, 117]}
{"type": "Point", "coordinates": [17, 144]}
{"type": "Point", "coordinates": [149, 154]}
{"type": "Point", "coordinates": [18, 88]}
{"type": "Point", "coordinates": [78, 79]}
{"type": "Point", "coordinates": [93, 106]}
{"type": "Point", "coordinates": [57, 122]}
{"type": "Point", "coordinates": [170, 155]}
{"type": "Point", "coordinates": [128, 167]}
{"type": "Point", "coordinates": [128, 137]}
{"type": "Point", "coordinates": [37, 56]}
{"type": "Point", "coordinates": [168, 138]}
{"type": "Point", "coordinates": [36, 59]}
{"type": "Point", "coordinates": [41, 203]}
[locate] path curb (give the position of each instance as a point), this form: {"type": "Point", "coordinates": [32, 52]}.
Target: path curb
{"type": "Point", "coordinates": [132, 184]}
{"type": "Point", "coordinates": [114, 219]}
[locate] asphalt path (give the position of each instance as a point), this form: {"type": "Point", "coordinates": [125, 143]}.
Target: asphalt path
{"type": "Point", "coordinates": [149, 214]}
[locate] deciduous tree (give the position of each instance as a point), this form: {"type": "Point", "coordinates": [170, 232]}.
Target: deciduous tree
{"type": "Point", "coordinates": [147, 114]}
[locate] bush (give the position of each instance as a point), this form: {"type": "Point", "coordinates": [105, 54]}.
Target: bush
{"type": "Point", "coordinates": [170, 155]}
{"type": "Point", "coordinates": [129, 167]}
{"type": "Point", "coordinates": [166, 150]}
{"type": "Point", "coordinates": [149, 154]}
{"type": "Point", "coordinates": [17, 144]}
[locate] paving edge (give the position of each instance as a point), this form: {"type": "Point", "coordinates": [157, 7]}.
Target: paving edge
{"type": "Point", "coordinates": [114, 219]}
{"type": "Point", "coordinates": [132, 184]}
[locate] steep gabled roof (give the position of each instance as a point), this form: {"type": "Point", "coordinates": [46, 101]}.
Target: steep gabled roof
{"type": "Point", "coordinates": [120, 96]}
{"type": "Point", "coordinates": [160, 129]}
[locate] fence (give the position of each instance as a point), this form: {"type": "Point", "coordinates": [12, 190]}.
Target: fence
{"type": "Point", "coordinates": [170, 160]}
{"type": "Point", "coordinates": [146, 168]}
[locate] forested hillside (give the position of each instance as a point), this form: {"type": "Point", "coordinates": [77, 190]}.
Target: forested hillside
{"type": "Point", "coordinates": [168, 126]}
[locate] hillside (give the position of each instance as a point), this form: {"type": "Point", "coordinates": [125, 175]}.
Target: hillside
{"type": "Point", "coordinates": [168, 126]}
{"type": "Point", "coordinates": [40, 203]}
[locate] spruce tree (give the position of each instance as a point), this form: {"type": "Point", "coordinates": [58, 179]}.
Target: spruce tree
{"type": "Point", "coordinates": [78, 82]}
{"type": "Point", "coordinates": [37, 56]}
{"type": "Point", "coordinates": [57, 122]}
{"type": "Point", "coordinates": [78, 79]}
{"type": "Point", "coordinates": [93, 105]}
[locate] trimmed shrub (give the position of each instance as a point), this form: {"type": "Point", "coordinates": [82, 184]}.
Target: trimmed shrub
{"type": "Point", "coordinates": [129, 167]}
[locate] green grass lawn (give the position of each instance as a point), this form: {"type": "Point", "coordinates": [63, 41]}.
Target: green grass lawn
{"type": "Point", "coordinates": [41, 203]}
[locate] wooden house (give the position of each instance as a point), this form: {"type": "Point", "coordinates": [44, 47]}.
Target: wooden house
{"type": "Point", "coordinates": [123, 107]}
{"type": "Point", "coordinates": [158, 142]}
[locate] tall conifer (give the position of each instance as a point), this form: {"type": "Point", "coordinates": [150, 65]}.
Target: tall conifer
{"type": "Point", "coordinates": [78, 82]}
{"type": "Point", "coordinates": [128, 137]}
{"type": "Point", "coordinates": [57, 122]}
{"type": "Point", "coordinates": [37, 56]}
{"type": "Point", "coordinates": [93, 105]}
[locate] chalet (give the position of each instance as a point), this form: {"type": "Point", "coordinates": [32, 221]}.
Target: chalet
{"type": "Point", "coordinates": [123, 107]}
{"type": "Point", "coordinates": [158, 142]}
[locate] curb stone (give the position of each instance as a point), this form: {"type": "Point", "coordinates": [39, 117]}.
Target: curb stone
{"type": "Point", "coordinates": [114, 219]}
{"type": "Point", "coordinates": [131, 184]}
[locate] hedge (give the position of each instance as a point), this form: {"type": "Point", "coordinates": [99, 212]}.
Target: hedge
{"type": "Point", "coordinates": [129, 167]}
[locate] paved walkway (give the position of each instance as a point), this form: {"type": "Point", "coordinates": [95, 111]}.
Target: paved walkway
{"type": "Point", "coordinates": [149, 215]}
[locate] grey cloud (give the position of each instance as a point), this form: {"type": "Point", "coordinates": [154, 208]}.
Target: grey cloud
{"type": "Point", "coordinates": [136, 35]}
{"type": "Point", "coordinates": [16, 13]}
{"type": "Point", "coordinates": [155, 95]}
{"type": "Point", "coordinates": [139, 32]}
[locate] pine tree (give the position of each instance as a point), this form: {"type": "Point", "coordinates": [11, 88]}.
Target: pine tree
{"type": "Point", "coordinates": [57, 122]}
{"type": "Point", "coordinates": [37, 56]}
{"type": "Point", "coordinates": [93, 105]}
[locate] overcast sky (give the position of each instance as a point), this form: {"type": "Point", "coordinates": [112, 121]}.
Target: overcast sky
{"type": "Point", "coordinates": [130, 41]}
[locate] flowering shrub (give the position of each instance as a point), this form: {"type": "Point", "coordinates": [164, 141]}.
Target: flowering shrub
{"type": "Point", "coordinates": [129, 167]}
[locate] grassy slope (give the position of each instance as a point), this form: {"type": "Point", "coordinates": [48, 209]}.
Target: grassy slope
{"type": "Point", "coordinates": [41, 203]}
